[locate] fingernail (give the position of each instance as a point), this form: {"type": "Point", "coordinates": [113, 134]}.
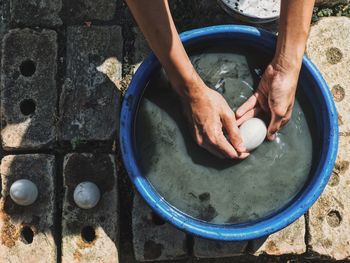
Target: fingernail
{"type": "Point", "coordinates": [242, 147]}
{"type": "Point", "coordinates": [272, 136]}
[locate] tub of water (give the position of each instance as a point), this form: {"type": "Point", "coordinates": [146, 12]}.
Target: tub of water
{"type": "Point", "coordinates": [225, 199]}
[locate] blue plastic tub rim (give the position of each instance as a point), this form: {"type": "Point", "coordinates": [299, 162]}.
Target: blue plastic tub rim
{"type": "Point", "coordinates": [226, 232]}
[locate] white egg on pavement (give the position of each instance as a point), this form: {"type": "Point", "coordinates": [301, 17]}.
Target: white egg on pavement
{"type": "Point", "coordinates": [23, 192]}
{"type": "Point", "coordinates": [86, 195]}
{"type": "Point", "coordinates": [253, 133]}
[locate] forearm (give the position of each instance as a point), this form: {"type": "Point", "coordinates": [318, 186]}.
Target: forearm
{"type": "Point", "coordinates": [156, 23]}
{"type": "Point", "coordinates": [294, 28]}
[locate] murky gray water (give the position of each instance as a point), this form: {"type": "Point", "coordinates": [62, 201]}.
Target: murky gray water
{"type": "Point", "coordinates": [198, 183]}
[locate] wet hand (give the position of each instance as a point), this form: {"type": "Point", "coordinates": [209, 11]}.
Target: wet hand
{"type": "Point", "coordinates": [275, 96]}
{"type": "Point", "coordinates": [209, 115]}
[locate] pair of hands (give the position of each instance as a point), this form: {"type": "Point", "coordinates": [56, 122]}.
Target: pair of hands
{"type": "Point", "coordinates": [208, 112]}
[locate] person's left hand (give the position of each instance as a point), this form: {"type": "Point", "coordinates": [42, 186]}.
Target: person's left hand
{"type": "Point", "coordinates": [275, 95]}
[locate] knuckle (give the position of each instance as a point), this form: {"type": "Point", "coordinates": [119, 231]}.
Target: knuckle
{"type": "Point", "coordinates": [280, 112]}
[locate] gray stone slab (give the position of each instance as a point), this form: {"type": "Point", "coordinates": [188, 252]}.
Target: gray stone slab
{"type": "Point", "coordinates": [27, 232]}
{"type": "Point", "coordinates": [329, 49]}
{"type": "Point", "coordinates": [28, 89]}
{"type": "Point", "coordinates": [87, 10]}
{"type": "Point", "coordinates": [204, 248]}
{"type": "Point", "coordinates": [36, 12]}
{"type": "Point", "coordinates": [154, 239]}
{"type": "Point", "coordinates": [89, 103]}
{"type": "Point", "coordinates": [290, 240]}
{"type": "Point", "coordinates": [90, 235]}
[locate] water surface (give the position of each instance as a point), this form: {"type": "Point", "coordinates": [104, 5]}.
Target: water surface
{"type": "Point", "coordinates": [202, 185]}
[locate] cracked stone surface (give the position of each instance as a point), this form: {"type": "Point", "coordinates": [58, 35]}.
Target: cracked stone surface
{"type": "Point", "coordinates": [28, 111]}
{"type": "Point", "coordinates": [329, 49]}
{"type": "Point", "coordinates": [153, 238]}
{"type": "Point", "coordinates": [90, 235]}
{"type": "Point", "coordinates": [36, 12]}
{"type": "Point", "coordinates": [89, 102]}
{"type": "Point", "coordinates": [290, 240]}
{"type": "Point", "coordinates": [28, 230]}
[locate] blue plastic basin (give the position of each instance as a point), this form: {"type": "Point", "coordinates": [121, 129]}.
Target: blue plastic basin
{"type": "Point", "coordinates": [319, 98]}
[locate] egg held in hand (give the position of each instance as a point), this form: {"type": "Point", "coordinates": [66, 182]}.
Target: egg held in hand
{"type": "Point", "coordinates": [253, 133]}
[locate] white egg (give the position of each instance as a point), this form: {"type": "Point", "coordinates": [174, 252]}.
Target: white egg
{"type": "Point", "coordinates": [86, 195]}
{"type": "Point", "coordinates": [253, 132]}
{"type": "Point", "coordinates": [23, 192]}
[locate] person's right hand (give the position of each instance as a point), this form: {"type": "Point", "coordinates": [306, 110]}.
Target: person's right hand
{"type": "Point", "coordinates": [208, 114]}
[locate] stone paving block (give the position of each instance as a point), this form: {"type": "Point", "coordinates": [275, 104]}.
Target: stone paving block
{"type": "Point", "coordinates": [89, 104]}
{"type": "Point", "coordinates": [28, 89]}
{"type": "Point", "coordinates": [329, 216]}
{"type": "Point", "coordinates": [154, 239]}
{"type": "Point", "coordinates": [329, 49]}
{"type": "Point", "coordinates": [27, 232]}
{"type": "Point", "coordinates": [204, 248]}
{"type": "Point", "coordinates": [36, 12]}
{"type": "Point", "coordinates": [90, 235]}
{"type": "Point", "coordinates": [3, 20]}
{"type": "Point", "coordinates": [87, 10]}
{"type": "Point", "coordinates": [290, 240]}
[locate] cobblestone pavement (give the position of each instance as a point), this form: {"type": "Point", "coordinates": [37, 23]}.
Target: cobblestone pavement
{"type": "Point", "coordinates": [65, 66]}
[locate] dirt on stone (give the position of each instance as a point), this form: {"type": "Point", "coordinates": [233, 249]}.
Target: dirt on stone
{"type": "Point", "coordinates": [334, 55]}
{"type": "Point", "coordinates": [77, 255]}
{"type": "Point", "coordinates": [9, 233]}
{"type": "Point", "coordinates": [338, 93]}
{"type": "Point", "coordinates": [334, 218]}
{"type": "Point", "coordinates": [341, 166]}
{"type": "Point", "coordinates": [334, 180]}
{"type": "Point", "coordinates": [271, 246]}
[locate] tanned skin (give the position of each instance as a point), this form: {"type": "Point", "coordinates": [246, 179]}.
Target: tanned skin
{"type": "Point", "coordinates": [206, 110]}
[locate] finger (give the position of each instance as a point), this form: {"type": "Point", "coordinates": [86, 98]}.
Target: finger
{"type": "Point", "coordinates": [262, 100]}
{"type": "Point", "coordinates": [216, 141]}
{"type": "Point", "coordinates": [213, 150]}
{"type": "Point", "coordinates": [205, 145]}
{"type": "Point", "coordinates": [250, 114]}
{"type": "Point", "coordinates": [247, 106]}
{"type": "Point", "coordinates": [243, 155]}
{"type": "Point", "coordinates": [226, 148]}
{"type": "Point", "coordinates": [230, 125]}
{"type": "Point", "coordinates": [274, 126]}
{"type": "Point", "coordinates": [286, 119]}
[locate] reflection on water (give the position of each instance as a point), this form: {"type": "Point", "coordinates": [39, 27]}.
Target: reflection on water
{"type": "Point", "coordinates": [198, 183]}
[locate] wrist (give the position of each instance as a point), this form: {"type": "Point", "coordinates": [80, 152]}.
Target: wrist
{"type": "Point", "coordinates": [287, 62]}
{"type": "Point", "coordinates": [188, 85]}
